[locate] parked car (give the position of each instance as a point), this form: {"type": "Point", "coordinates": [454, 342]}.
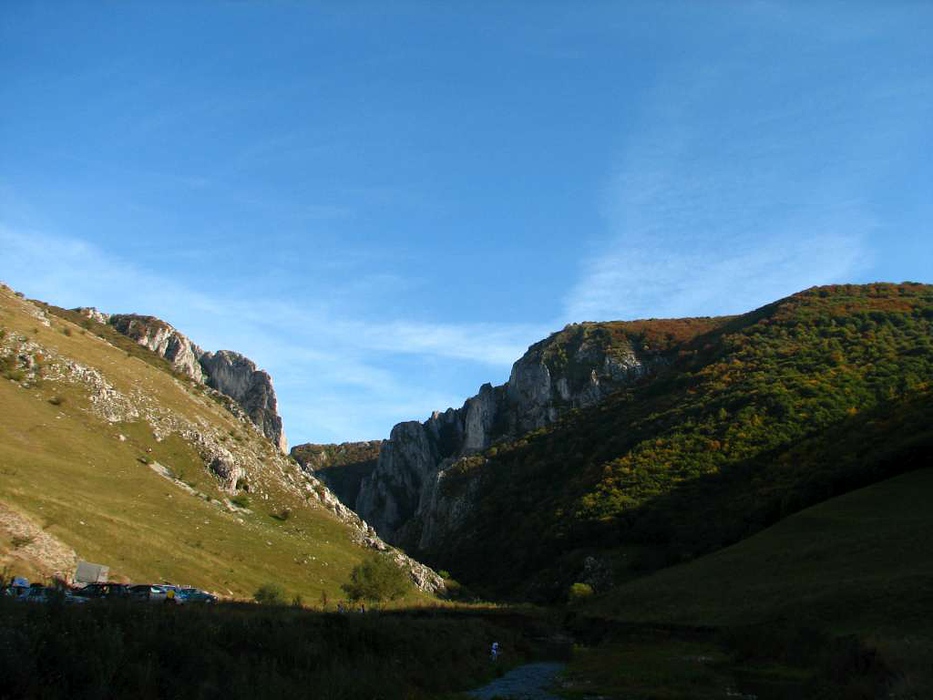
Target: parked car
{"type": "Point", "coordinates": [103, 591]}
{"type": "Point", "coordinates": [194, 595]}
{"type": "Point", "coordinates": [151, 592]}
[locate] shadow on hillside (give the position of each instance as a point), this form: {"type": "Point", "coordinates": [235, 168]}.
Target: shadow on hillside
{"type": "Point", "coordinates": [715, 511]}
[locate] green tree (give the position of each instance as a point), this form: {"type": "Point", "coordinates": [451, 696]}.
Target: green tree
{"type": "Point", "coordinates": [269, 594]}
{"type": "Point", "coordinates": [579, 592]}
{"type": "Point", "coordinates": [376, 579]}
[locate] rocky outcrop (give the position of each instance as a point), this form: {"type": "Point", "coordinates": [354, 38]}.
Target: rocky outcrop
{"type": "Point", "coordinates": [238, 377]}
{"type": "Point", "coordinates": [575, 368]}
{"type": "Point", "coordinates": [93, 314]}
{"type": "Point", "coordinates": [162, 339]}
{"type": "Point", "coordinates": [228, 372]}
{"type": "Point", "coordinates": [390, 496]}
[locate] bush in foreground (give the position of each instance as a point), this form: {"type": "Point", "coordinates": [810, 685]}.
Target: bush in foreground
{"type": "Point", "coordinates": [377, 579]}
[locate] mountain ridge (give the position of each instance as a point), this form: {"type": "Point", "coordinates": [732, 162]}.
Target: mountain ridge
{"type": "Point", "coordinates": [706, 390]}
{"type": "Point", "coordinates": [615, 448]}
{"type": "Point", "coordinates": [229, 372]}
{"type": "Point", "coordinates": [774, 410]}
{"type": "Point", "coordinates": [574, 368]}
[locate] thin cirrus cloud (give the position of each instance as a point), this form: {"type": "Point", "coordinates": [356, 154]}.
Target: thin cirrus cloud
{"type": "Point", "coordinates": [631, 282]}
{"type": "Point", "coordinates": [490, 344]}
{"type": "Point", "coordinates": [325, 365]}
{"type": "Point", "coordinates": [71, 271]}
{"type": "Point", "coordinates": [716, 209]}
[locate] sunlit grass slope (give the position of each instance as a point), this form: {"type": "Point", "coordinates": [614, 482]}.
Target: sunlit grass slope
{"type": "Point", "coordinates": [72, 475]}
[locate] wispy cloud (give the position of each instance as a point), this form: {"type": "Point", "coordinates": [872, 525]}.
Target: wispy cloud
{"type": "Point", "coordinates": [628, 283]}
{"type": "Point", "coordinates": [336, 377]}
{"type": "Point", "coordinates": [716, 208]}
{"type": "Point", "coordinates": [491, 344]}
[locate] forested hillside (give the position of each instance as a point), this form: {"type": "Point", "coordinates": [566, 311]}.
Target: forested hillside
{"type": "Point", "coordinates": [772, 411]}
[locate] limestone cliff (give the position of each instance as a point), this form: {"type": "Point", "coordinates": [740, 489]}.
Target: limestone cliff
{"type": "Point", "coordinates": [238, 377]}
{"type": "Point", "coordinates": [574, 368]}
{"type": "Point", "coordinates": [228, 372]}
{"type": "Point", "coordinates": [162, 339]}
{"type": "Point", "coordinates": [390, 496]}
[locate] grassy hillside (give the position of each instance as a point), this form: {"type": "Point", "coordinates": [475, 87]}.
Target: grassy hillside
{"type": "Point", "coordinates": [103, 457]}
{"type": "Point", "coordinates": [858, 566]}
{"type": "Point", "coordinates": [861, 562]}
{"type": "Point", "coordinates": [760, 416]}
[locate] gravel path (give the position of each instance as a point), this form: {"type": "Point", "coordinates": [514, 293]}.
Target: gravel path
{"type": "Point", "coordinates": [528, 682]}
{"type": "Point", "coordinates": [34, 545]}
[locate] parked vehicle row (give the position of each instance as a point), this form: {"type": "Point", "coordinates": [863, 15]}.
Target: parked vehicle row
{"type": "Point", "coordinates": [41, 594]}
{"type": "Point", "coordinates": [146, 592]}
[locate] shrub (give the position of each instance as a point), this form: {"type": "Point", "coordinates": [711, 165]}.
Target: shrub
{"type": "Point", "coordinates": [455, 591]}
{"type": "Point", "coordinates": [579, 592]}
{"type": "Point", "coordinates": [241, 500]}
{"type": "Point", "coordinates": [376, 579]}
{"type": "Point", "coordinates": [269, 594]}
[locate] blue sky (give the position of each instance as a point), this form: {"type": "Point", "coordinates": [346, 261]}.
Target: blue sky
{"type": "Point", "coordinates": [384, 203]}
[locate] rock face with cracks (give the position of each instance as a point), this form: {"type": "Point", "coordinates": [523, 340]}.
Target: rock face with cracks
{"type": "Point", "coordinates": [238, 377]}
